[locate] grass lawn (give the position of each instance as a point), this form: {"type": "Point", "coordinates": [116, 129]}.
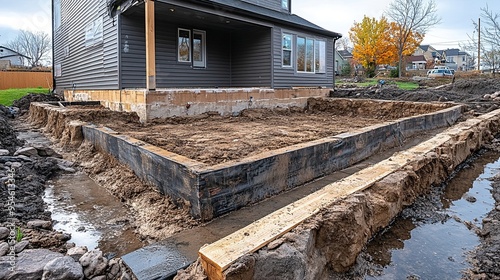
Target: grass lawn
{"type": "Point", "coordinates": [407, 85]}
{"type": "Point", "coordinates": [374, 82]}
{"type": "Point", "coordinates": [7, 96]}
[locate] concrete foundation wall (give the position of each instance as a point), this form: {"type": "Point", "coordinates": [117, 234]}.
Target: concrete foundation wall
{"type": "Point", "coordinates": [170, 173]}
{"type": "Point", "coordinates": [230, 186]}
{"type": "Point", "coordinates": [214, 190]}
{"type": "Point", "coordinates": [164, 103]}
{"type": "Point", "coordinates": [116, 100]}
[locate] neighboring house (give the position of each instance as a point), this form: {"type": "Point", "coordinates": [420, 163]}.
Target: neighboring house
{"type": "Point", "coordinates": [348, 59]}
{"type": "Point", "coordinates": [15, 58]}
{"type": "Point", "coordinates": [340, 61]}
{"type": "Point", "coordinates": [165, 44]}
{"type": "Point", "coordinates": [430, 53]}
{"type": "Point", "coordinates": [465, 61]}
{"type": "Point", "coordinates": [451, 57]}
{"type": "Point", "coordinates": [416, 62]}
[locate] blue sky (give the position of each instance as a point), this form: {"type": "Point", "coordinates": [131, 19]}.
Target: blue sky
{"type": "Point", "coordinates": [34, 15]}
{"type": "Point", "coordinates": [335, 15]}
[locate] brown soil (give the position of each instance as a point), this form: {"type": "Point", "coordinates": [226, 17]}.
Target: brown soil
{"type": "Point", "coordinates": [214, 139]}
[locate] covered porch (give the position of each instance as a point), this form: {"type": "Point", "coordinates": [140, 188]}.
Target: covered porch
{"type": "Point", "coordinates": [173, 44]}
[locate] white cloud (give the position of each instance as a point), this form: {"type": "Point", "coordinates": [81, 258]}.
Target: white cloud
{"type": "Point", "coordinates": [339, 16]}
{"type": "Point", "coordinates": [33, 15]}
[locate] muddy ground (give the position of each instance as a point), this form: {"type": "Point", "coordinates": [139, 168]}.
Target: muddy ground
{"type": "Point", "coordinates": [480, 96]}
{"type": "Point", "coordinates": [158, 217]}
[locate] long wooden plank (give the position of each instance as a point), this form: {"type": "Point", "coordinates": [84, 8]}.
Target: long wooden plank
{"type": "Point", "coordinates": [218, 256]}
{"type": "Point", "coordinates": [150, 45]}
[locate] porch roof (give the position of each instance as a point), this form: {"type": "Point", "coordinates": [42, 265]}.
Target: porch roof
{"type": "Point", "coordinates": [240, 8]}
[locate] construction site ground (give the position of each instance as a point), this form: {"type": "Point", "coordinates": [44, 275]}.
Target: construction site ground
{"type": "Point", "coordinates": [214, 139]}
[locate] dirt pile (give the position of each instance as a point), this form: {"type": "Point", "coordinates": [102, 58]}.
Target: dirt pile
{"type": "Point", "coordinates": [468, 91]}
{"type": "Point", "coordinates": [8, 139]}
{"type": "Point", "coordinates": [24, 103]}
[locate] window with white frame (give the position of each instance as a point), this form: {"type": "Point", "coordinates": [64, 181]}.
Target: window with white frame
{"type": "Point", "coordinates": [311, 55]}
{"type": "Point", "coordinates": [184, 45]}
{"type": "Point", "coordinates": [94, 33]}
{"type": "Point", "coordinates": [287, 50]}
{"type": "Point", "coordinates": [285, 4]}
{"type": "Point", "coordinates": [57, 14]}
{"type": "Point", "coordinates": [192, 49]}
{"type": "Point", "coordinates": [319, 56]}
{"type": "Point", "coordinates": [199, 49]}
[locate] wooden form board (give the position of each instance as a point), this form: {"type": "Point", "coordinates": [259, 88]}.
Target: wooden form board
{"type": "Point", "coordinates": [218, 256]}
{"type": "Point", "coordinates": [150, 45]}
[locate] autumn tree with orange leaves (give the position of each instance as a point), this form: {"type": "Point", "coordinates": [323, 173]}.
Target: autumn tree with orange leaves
{"type": "Point", "coordinates": [378, 41]}
{"type": "Point", "coordinates": [372, 43]}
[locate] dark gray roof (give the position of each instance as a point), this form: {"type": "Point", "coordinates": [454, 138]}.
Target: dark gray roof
{"type": "Point", "coordinates": [452, 52]}
{"type": "Point", "coordinates": [345, 53]}
{"type": "Point", "coordinates": [273, 15]}
{"type": "Point", "coordinates": [424, 47]}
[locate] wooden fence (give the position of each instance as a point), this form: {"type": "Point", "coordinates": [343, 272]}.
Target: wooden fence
{"type": "Point", "coordinates": [22, 79]}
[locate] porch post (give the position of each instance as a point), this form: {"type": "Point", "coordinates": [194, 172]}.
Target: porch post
{"type": "Point", "coordinates": [150, 45]}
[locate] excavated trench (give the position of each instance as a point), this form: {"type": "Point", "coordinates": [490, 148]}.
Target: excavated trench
{"type": "Point", "coordinates": [92, 216]}
{"type": "Point", "coordinates": [332, 235]}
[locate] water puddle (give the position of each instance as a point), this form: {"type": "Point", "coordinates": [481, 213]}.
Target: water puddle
{"type": "Point", "coordinates": [431, 239]}
{"type": "Point", "coordinates": [93, 217]}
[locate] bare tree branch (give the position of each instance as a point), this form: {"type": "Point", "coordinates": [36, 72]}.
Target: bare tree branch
{"type": "Point", "coordinates": [412, 16]}
{"type": "Point", "coordinates": [35, 45]}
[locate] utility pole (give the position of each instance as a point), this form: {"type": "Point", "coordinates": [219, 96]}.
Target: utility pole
{"type": "Point", "coordinates": [479, 45]}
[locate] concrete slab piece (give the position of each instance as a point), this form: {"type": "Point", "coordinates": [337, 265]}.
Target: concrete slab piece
{"type": "Point", "coordinates": [157, 261]}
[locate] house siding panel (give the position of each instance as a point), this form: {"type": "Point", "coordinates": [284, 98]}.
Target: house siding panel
{"type": "Point", "coordinates": [133, 52]}
{"type": "Point", "coordinates": [85, 67]}
{"type": "Point", "coordinates": [234, 59]}
{"type": "Point", "coordinates": [252, 56]}
{"type": "Point", "coordinates": [285, 77]}
{"type": "Point", "coordinates": [171, 73]}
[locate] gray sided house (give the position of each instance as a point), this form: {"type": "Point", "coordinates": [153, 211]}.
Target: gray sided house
{"type": "Point", "coordinates": [144, 50]}
{"type": "Point", "coordinates": [11, 57]}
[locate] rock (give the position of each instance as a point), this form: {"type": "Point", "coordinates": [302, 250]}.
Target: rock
{"type": "Point", "coordinates": [20, 246]}
{"type": "Point", "coordinates": [4, 248]}
{"type": "Point", "coordinates": [100, 277]}
{"type": "Point", "coordinates": [77, 252]}
{"type": "Point", "coordinates": [6, 159]}
{"type": "Point", "coordinates": [64, 162]}
{"type": "Point", "coordinates": [39, 224]}
{"type": "Point", "coordinates": [114, 269]}
{"type": "Point", "coordinates": [63, 236]}
{"type": "Point", "coordinates": [25, 158]}
{"type": "Point", "coordinates": [66, 169]}
{"type": "Point", "coordinates": [16, 164]}
{"type": "Point", "coordinates": [63, 268]}
{"type": "Point", "coordinates": [94, 264]}
{"type": "Point", "coordinates": [4, 233]}
{"type": "Point", "coordinates": [29, 264]}
{"type": "Point", "coordinates": [4, 152]}
{"type": "Point", "coordinates": [27, 151]}
{"type": "Point", "coordinates": [45, 151]}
